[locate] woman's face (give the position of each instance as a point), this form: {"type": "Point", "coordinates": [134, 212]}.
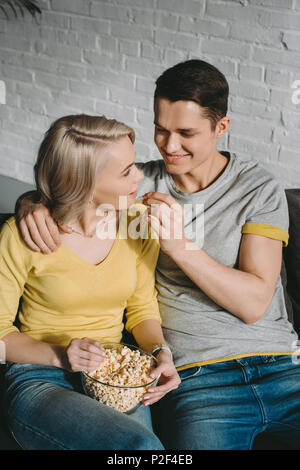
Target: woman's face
{"type": "Point", "coordinates": [119, 178]}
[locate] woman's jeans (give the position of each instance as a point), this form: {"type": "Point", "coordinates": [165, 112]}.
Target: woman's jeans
{"type": "Point", "coordinates": [47, 409]}
{"type": "Point", "coordinates": [226, 405]}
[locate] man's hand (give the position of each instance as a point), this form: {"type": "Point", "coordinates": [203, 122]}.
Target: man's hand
{"type": "Point", "coordinates": [38, 229]}
{"type": "Point", "coordinates": [167, 221]}
{"type": "Point", "coordinates": [168, 380]}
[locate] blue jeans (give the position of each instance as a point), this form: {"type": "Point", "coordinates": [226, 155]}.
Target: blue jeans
{"type": "Point", "coordinates": [46, 409]}
{"type": "Point", "coordinates": [226, 405]}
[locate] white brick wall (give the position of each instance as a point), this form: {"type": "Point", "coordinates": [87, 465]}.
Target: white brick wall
{"type": "Point", "coordinates": [103, 56]}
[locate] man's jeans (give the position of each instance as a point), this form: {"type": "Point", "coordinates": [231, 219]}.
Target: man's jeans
{"type": "Point", "coordinates": [226, 405]}
{"type": "Point", "coordinates": [47, 409]}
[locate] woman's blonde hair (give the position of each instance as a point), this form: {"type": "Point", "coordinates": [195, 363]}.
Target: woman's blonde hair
{"type": "Point", "coordinates": [69, 160]}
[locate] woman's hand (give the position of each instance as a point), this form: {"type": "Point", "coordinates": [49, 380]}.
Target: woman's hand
{"type": "Point", "coordinates": [38, 229]}
{"type": "Point", "coordinates": [169, 378]}
{"type": "Point", "coordinates": [82, 355]}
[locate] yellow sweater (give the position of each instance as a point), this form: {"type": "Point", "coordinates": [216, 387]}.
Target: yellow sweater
{"type": "Point", "coordinates": [65, 297]}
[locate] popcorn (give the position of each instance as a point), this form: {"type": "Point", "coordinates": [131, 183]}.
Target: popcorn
{"type": "Point", "coordinates": [123, 367]}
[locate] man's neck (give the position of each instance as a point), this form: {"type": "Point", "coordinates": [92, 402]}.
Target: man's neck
{"type": "Point", "coordinates": [202, 176]}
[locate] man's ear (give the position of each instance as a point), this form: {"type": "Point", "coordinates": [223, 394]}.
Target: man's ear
{"type": "Point", "coordinates": [222, 126]}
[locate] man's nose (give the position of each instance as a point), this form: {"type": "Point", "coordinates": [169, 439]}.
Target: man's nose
{"type": "Point", "coordinates": [172, 144]}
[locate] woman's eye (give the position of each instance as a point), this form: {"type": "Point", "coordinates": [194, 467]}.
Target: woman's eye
{"type": "Point", "coordinates": [127, 172]}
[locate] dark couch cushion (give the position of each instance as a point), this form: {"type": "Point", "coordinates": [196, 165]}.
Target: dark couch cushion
{"type": "Point", "coordinates": [291, 255]}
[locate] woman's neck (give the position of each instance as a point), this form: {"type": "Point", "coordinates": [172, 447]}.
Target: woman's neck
{"type": "Point", "coordinates": [89, 220]}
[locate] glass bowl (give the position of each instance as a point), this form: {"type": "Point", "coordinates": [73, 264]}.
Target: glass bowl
{"type": "Point", "coordinates": [124, 398]}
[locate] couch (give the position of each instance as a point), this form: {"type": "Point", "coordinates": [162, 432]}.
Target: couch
{"type": "Point", "coordinates": [290, 274]}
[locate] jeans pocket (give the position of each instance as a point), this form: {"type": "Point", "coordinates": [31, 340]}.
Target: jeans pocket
{"type": "Point", "coordinates": [189, 373]}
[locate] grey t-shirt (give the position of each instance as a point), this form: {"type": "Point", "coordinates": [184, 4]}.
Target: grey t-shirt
{"type": "Point", "coordinates": [245, 198]}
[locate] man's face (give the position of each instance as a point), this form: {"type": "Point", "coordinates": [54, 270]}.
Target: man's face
{"type": "Point", "coordinates": [183, 136]}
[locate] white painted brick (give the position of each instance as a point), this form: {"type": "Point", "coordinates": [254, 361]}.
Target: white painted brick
{"type": "Point", "coordinates": [291, 119]}
{"type": "Point", "coordinates": [24, 172]}
{"type": "Point", "coordinates": [166, 20]}
{"type": "Point", "coordinates": [130, 31]}
{"type": "Point", "coordinates": [71, 70]}
{"type": "Point", "coordinates": [90, 24]}
{"type": "Point", "coordinates": [200, 26]}
{"type": "Point", "coordinates": [129, 47]}
{"type": "Point", "coordinates": [240, 144]}
{"type": "Point", "coordinates": [105, 55]}
{"type": "Point", "coordinates": [151, 52]}
{"type": "Point", "coordinates": [16, 73]}
{"type": "Point", "coordinates": [287, 137]}
{"type": "Point", "coordinates": [146, 86]}
{"type": "Point", "coordinates": [58, 20]}
{"type": "Point", "coordinates": [256, 34]}
{"type": "Point", "coordinates": [80, 7]}
{"type": "Point", "coordinates": [279, 19]}
{"type": "Point", "coordinates": [278, 77]}
{"type": "Point", "coordinates": [142, 17]}
{"type": "Point", "coordinates": [98, 58]}
{"type": "Point", "coordinates": [231, 12]}
{"type": "Point", "coordinates": [274, 57]}
{"type": "Point", "coordinates": [255, 109]}
{"type": "Point", "coordinates": [60, 51]}
{"type": "Point", "coordinates": [128, 97]}
{"type": "Point", "coordinates": [289, 157]}
{"type": "Point", "coordinates": [260, 130]}
{"type": "Point", "coordinates": [107, 43]}
{"type": "Point", "coordinates": [79, 87]}
{"type": "Point", "coordinates": [249, 90]}
{"type": "Point", "coordinates": [110, 12]}
{"type": "Point", "coordinates": [38, 62]}
{"type": "Point", "coordinates": [145, 119]}
{"type": "Point", "coordinates": [227, 48]}
{"type": "Point", "coordinates": [191, 7]}
{"type": "Point", "coordinates": [176, 41]}
{"type": "Point", "coordinates": [291, 40]}
{"type": "Point", "coordinates": [227, 67]}
{"type": "Point", "coordinates": [282, 98]}
{"type": "Point", "coordinates": [173, 56]}
{"type": "Point", "coordinates": [143, 68]}
{"type": "Point", "coordinates": [274, 3]}
{"type": "Point", "coordinates": [50, 80]}
{"type": "Point", "coordinates": [251, 72]}
{"type": "Point", "coordinates": [116, 111]}
{"type": "Point", "coordinates": [100, 75]}
{"type": "Point", "coordinates": [149, 4]}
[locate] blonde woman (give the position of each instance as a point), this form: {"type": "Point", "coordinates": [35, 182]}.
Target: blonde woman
{"type": "Point", "coordinates": [74, 299]}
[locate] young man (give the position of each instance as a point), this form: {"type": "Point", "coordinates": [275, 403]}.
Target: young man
{"type": "Point", "coordinates": [219, 287]}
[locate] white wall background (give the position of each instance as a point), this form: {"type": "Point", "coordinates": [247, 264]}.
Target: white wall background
{"type": "Point", "coordinates": [103, 56]}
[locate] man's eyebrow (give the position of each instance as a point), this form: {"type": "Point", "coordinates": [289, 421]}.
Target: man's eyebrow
{"type": "Point", "coordinates": [179, 130]}
{"type": "Point", "coordinates": [128, 166]}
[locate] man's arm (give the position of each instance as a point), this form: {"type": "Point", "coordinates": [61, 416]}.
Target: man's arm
{"type": "Point", "coordinates": [245, 292]}
{"type": "Point", "coordinates": [38, 229]}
